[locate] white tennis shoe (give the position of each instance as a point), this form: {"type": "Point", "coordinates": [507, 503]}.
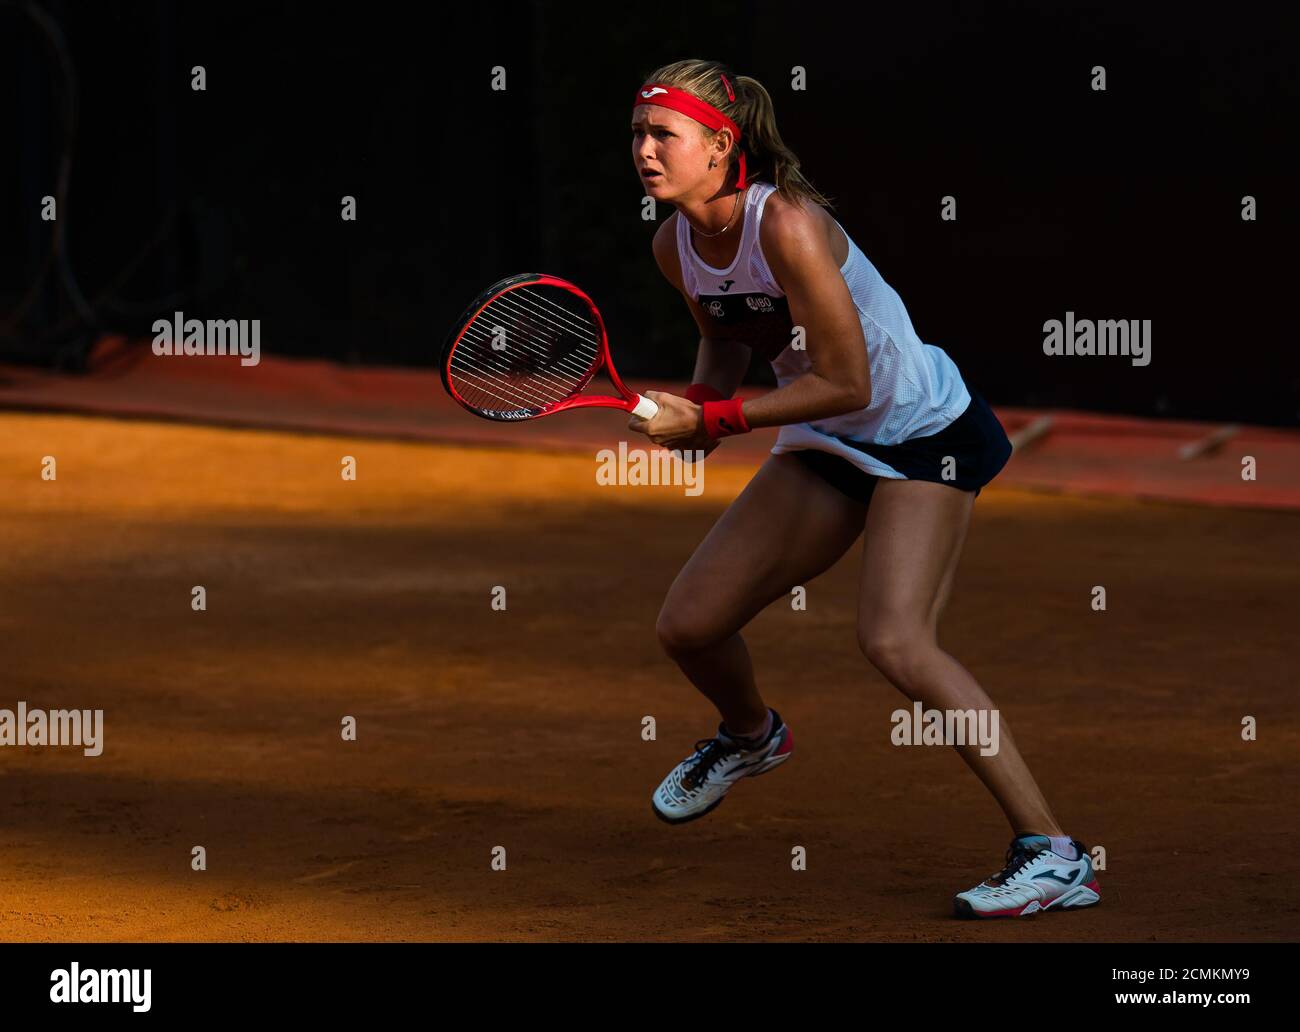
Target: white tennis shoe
{"type": "Point", "coordinates": [1034, 879]}
{"type": "Point", "coordinates": [699, 783]}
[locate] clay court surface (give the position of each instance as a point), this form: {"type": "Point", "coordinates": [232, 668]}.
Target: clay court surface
{"type": "Point", "coordinates": [521, 728]}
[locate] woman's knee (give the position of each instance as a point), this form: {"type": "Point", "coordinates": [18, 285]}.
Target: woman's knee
{"type": "Point", "coordinates": [683, 629]}
{"type": "Point", "coordinates": [895, 647]}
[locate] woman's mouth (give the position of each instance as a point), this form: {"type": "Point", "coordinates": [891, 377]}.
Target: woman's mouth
{"type": "Point", "coordinates": [650, 174]}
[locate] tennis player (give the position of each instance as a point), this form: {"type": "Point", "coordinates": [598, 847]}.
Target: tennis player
{"type": "Point", "coordinates": [878, 433]}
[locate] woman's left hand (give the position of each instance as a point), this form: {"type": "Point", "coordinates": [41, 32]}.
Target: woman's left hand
{"type": "Point", "coordinates": [678, 423]}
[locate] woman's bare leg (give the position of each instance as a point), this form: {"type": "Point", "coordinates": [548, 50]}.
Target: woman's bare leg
{"type": "Point", "coordinates": [785, 528]}
{"type": "Point", "coordinates": [914, 535]}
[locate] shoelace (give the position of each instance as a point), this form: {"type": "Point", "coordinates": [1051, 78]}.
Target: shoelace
{"type": "Point", "coordinates": [711, 752]}
{"type": "Point", "coordinates": [1017, 857]}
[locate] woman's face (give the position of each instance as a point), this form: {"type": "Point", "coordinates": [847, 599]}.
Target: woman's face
{"type": "Point", "coordinates": [668, 149]}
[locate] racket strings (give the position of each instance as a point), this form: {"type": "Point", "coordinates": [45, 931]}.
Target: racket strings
{"type": "Point", "coordinates": [506, 382]}
{"type": "Point", "coordinates": [510, 388]}
{"type": "Point", "coordinates": [527, 348]}
{"type": "Point", "coordinates": [566, 365]}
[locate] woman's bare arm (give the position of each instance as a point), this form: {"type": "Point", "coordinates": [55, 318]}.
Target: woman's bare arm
{"type": "Point", "coordinates": [800, 258]}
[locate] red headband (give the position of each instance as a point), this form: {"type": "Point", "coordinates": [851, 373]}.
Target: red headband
{"type": "Point", "coordinates": [700, 110]}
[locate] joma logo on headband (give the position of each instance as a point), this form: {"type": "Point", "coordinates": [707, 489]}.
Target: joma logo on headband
{"type": "Point", "coordinates": [651, 93]}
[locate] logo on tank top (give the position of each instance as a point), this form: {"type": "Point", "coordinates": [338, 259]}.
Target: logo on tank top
{"type": "Point", "coordinates": [758, 320]}
{"type": "Point", "coordinates": [743, 308]}
{"type": "Point", "coordinates": [726, 286]}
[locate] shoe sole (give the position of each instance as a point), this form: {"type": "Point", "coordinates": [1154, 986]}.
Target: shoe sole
{"type": "Point", "coordinates": [963, 909]}
{"type": "Point", "coordinates": [692, 817]}
{"type": "Point", "coordinates": [780, 759]}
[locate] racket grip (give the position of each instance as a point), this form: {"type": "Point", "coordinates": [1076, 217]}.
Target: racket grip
{"type": "Point", "coordinates": [645, 408]}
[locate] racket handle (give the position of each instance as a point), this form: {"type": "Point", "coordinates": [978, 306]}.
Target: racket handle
{"type": "Point", "coordinates": [645, 408]}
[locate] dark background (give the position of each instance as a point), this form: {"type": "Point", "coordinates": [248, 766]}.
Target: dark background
{"type": "Point", "coordinates": [225, 204]}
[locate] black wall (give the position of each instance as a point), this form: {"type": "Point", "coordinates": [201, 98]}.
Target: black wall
{"type": "Point", "coordinates": [1122, 204]}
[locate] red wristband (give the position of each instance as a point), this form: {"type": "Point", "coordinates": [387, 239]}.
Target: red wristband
{"type": "Point", "coordinates": [702, 392]}
{"type": "Point", "coordinates": [724, 418]}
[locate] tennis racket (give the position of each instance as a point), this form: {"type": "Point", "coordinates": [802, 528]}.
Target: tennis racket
{"type": "Point", "coordinates": [527, 347]}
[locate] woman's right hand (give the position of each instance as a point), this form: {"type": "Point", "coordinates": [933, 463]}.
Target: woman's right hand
{"type": "Point", "coordinates": [707, 447]}
{"type": "Point", "coordinates": [700, 441]}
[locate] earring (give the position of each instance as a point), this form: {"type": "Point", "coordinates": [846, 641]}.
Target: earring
{"type": "Point", "coordinates": [712, 163]}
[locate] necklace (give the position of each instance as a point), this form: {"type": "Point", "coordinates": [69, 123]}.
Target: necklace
{"type": "Point", "coordinates": [729, 221]}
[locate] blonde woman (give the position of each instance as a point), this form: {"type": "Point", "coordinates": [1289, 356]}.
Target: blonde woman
{"type": "Point", "coordinates": [879, 436]}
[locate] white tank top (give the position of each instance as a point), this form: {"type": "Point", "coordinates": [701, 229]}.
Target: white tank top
{"type": "Point", "coordinates": [916, 389]}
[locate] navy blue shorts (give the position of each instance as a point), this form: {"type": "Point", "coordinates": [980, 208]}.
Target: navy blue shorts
{"type": "Point", "coordinates": [975, 442]}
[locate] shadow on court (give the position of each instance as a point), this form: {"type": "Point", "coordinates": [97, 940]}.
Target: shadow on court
{"type": "Point", "coordinates": [521, 729]}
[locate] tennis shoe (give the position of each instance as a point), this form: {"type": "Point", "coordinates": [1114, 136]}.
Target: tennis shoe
{"type": "Point", "coordinates": [1034, 879]}
{"type": "Point", "coordinates": [700, 782]}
